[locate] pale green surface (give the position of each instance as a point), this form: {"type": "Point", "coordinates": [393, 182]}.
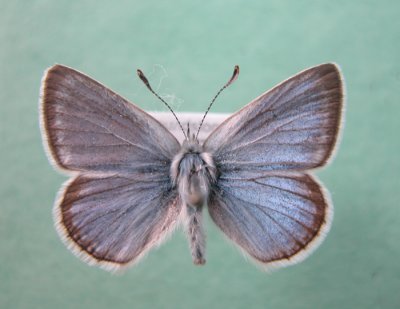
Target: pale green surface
{"type": "Point", "coordinates": [197, 45]}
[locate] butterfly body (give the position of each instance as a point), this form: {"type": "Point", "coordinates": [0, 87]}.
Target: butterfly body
{"type": "Point", "coordinates": [193, 173]}
{"type": "Point", "coordinates": [132, 183]}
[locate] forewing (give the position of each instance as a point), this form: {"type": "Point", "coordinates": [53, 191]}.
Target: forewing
{"type": "Point", "coordinates": [294, 126]}
{"type": "Point", "coordinates": [87, 127]}
{"type": "Point", "coordinates": [277, 219]}
{"type": "Point", "coordinates": [111, 220]}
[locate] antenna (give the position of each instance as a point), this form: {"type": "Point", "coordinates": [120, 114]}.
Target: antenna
{"type": "Point", "coordinates": [146, 82]}
{"type": "Point", "coordinates": [233, 78]}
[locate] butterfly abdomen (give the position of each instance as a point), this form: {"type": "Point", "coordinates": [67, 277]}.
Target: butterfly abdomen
{"type": "Point", "coordinates": [193, 173]}
{"type": "Point", "coordinates": [195, 233]}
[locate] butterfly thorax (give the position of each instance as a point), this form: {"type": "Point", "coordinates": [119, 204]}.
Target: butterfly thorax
{"type": "Point", "coordinates": [193, 172]}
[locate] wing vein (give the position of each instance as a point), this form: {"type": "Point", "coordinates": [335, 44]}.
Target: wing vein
{"type": "Point", "coordinates": [268, 134]}
{"type": "Point", "coordinates": [108, 131]}
{"type": "Point", "coordinates": [261, 208]}
{"type": "Point", "coordinates": [285, 190]}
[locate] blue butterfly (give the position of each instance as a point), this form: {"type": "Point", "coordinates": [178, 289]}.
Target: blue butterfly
{"type": "Point", "coordinates": [132, 183]}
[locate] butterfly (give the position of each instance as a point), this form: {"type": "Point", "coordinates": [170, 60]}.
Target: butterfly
{"type": "Point", "coordinates": [132, 183]}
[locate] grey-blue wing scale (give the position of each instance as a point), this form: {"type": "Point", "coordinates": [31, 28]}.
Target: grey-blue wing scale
{"type": "Point", "coordinates": [294, 126]}
{"type": "Point", "coordinates": [277, 219]}
{"type": "Point", "coordinates": [266, 200]}
{"type": "Point", "coordinates": [119, 202]}
{"type": "Point", "coordinates": [113, 220]}
{"type": "Point", "coordinates": [88, 127]}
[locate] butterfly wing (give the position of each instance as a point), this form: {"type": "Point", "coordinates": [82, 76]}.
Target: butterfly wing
{"type": "Point", "coordinates": [113, 220]}
{"type": "Point", "coordinates": [294, 126]}
{"type": "Point", "coordinates": [119, 203]}
{"type": "Point", "coordinates": [87, 127]}
{"type": "Point", "coordinates": [276, 219]}
{"type": "Point", "coordinates": [265, 201]}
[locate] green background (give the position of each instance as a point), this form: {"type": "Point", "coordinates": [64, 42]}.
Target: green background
{"type": "Point", "coordinates": [188, 50]}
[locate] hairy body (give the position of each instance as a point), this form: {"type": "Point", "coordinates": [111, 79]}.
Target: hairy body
{"type": "Point", "coordinates": [193, 173]}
